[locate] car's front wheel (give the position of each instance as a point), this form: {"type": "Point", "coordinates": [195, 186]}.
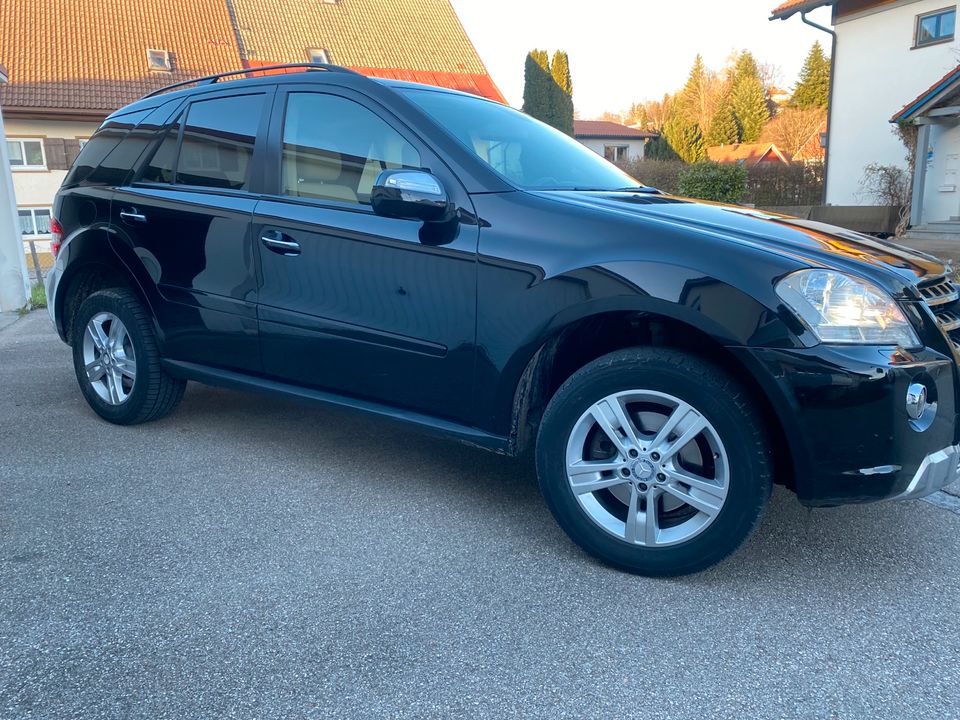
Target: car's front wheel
{"type": "Point", "coordinates": [117, 362]}
{"type": "Point", "coordinates": [654, 461]}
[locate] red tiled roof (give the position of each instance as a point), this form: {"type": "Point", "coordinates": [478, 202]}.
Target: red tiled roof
{"type": "Point", "coordinates": [918, 103]}
{"type": "Point", "coordinates": [606, 128]}
{"type": "Point", "coordinates": [747, 153]}
{"type": "Point", "coordinates": [90, 55]}
{"type": "Point", "coordinates": [791, 7]}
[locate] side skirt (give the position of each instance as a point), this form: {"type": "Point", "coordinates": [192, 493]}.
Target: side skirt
{"type": "Point", "coordinates": [239, 381]}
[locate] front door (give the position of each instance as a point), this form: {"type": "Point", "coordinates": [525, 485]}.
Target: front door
{"type": "Point", "coordinates": [188, 219]}
{"type": "Point", "coordinates": [352, 302]}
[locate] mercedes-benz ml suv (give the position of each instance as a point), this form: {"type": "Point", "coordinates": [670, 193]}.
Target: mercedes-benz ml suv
{"type": "Point", "coordinates": [440, 259]}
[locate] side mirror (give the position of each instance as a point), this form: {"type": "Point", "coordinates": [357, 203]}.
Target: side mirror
{"type": "Point", "coordinates": [410, 195]}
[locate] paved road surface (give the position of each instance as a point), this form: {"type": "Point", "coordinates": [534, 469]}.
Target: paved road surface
{"type": "Point", "coordinates": [251, 558]}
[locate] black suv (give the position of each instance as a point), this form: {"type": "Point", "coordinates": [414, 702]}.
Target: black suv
{"type": "Point", "coordinates": [444, 260]}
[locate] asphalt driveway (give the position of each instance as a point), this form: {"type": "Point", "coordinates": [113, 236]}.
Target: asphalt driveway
{"type": "Point", "coordinates": [252, 558]}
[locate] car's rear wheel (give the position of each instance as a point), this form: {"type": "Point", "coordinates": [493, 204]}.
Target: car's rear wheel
{"type": "Point", "coordinates": [117, 362]}
{"type": "Point", "coordinates": [654, 461]}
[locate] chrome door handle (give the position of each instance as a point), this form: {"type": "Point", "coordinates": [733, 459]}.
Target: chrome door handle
{"type": "Point", "coordinates": [132, 215]}
{"type": "Point", "coordinates": [280, 243]}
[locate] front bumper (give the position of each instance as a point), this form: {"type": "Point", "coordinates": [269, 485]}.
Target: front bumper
{"type": "Point", "coordinates": [938, 469]}
{"type": "Point", "coordinates": [845, 422]}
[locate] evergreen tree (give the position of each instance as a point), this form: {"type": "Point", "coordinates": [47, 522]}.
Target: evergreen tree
{"type": "Point", "coordinates": [685, 138]}
{"type": "Point", "coordinates": [723, 125]}
{"type": "Point", "coordinates": [695, 98]}
{"type": "Point", "coordinates": [748, 98]}
{"type": "Point", "coordinates": [813, 88]}
{"type": "Point", "coordinates": [538, 86]}
{"type": "Point", "coordinates": [562, 92]}
{"type": "Point", "coordinates": [560, 69]}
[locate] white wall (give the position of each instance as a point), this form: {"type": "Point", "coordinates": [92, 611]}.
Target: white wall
{"type": "Point", "coordinates": [36, 188]}
{"type": "Point", "coordinates": [635, 145]}
{"type": "Point", "coordinates": [13, 266]}
{"type": "Point", "coordinates": [875, 74]}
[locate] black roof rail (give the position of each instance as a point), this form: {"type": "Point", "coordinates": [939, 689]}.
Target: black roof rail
{"type": "Point", "coordinates": [211, 79]}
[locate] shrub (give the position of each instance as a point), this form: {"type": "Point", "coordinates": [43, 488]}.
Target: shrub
{"type": "Point", "coordinates": [778, 185]}
{"type": "Point", "coordinates": [655, 173]}
{"type": "Point", "coordinates": [713, 181]}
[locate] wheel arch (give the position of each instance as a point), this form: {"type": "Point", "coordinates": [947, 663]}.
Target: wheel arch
{"type": "Point", "coordinates": [567, 348]}
{"type": "Point", "coordinates": [91, 264]}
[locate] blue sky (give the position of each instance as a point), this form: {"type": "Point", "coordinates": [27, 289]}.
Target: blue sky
{"type": "Point", "coordinates": [622, 51]}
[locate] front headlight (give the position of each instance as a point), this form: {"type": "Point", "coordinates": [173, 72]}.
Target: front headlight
{"type": "Point", "coordinates": [844, 309]}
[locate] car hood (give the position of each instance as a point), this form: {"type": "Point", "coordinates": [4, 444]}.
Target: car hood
{"type": "Point", "coordinates": [817, 243]}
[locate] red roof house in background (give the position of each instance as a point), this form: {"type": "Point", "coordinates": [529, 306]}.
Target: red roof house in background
{"type": "Point", "coordinates": [616, 142]}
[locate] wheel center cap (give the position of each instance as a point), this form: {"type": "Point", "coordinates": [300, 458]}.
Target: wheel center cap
{"type": "Point", "coordinates": [642, 469]}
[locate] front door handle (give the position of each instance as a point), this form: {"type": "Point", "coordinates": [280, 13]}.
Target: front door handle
{"type": "Point", "coordinates": [280, 243]}
{"type": "Point", "coordinates": [132, 215]}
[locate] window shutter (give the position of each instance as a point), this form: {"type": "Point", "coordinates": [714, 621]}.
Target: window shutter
{"type": "Point", "coordinates": [71, 150]}
{"type": "Point", "coordinates": [56, 155]}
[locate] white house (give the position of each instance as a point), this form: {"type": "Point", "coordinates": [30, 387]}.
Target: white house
{"type": "Point", "coordinates": [616, 142]}
{"type": "Point", "coordinates": [886, 55]}
{"type": "Point", "coordinates": [13, 269]}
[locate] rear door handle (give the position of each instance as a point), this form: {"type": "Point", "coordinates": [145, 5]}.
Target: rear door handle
{"type": "Point", "coordinates": [132, 215]}
{"type": "Point", "coordinates": [280, 243]}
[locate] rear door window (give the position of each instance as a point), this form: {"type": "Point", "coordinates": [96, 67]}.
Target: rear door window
{"type": "Point", "coordinates": [101, 145]}
{"type": "Point", "coordinates": [217, 144]}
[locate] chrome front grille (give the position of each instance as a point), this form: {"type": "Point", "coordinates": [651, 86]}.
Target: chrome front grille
{"type": "Point", "coordinates": [941, 296]}
{"type": "Point", "coordinates": [939, 292]}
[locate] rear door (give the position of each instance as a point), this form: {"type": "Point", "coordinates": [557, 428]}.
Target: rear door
{"type": "Point", "coordinates": [187, 220]}
{"type": "Point", "coordinates": [363, 305]}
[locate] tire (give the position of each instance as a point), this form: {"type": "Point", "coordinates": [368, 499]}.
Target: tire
{"type": "Point", "coordinates": [113, 336]}
{"type": "Point", "coordinates": [718, 444]}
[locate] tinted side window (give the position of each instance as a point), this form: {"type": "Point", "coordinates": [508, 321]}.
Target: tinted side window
{"type": "Point", "coordinates": [160, 167]}
{"type": "Point", "coordinates": [334, 148]}
{"type": "Point", "coordinates": [218, 140]}
{"type": "Point", "coordinates": [96, 150]}
{"type": "Point", "coordinates": [115, 169]}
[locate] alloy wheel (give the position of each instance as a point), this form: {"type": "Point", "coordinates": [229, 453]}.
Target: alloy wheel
{"type": "Point", "coordinates": [647, 467]}
{"type": "Point", "coordinates": [109, 359]}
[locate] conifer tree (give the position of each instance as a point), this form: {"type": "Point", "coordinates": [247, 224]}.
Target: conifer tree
{"type": "Point", "coordinates": [813, 88]}
{"type": "Point", "coordinates": [685, 137]}
{"type": "Point", "coordinates": [723, 129]}
{"type": "Point", "coordinates": [538, 86]}
{"type": "Point", "coordinates": [562, 92]}
{"type": "Point", "coordinates": [748, 98]}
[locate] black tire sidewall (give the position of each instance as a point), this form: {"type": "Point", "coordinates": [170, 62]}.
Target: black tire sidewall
{"type": "Point", "coordinates": [709, 391]}
{"type": "Point", "coordinates": [117, 303]}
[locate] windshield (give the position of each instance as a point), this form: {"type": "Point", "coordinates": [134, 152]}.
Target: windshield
{"type": "Point", "coordinates": [528, 153]}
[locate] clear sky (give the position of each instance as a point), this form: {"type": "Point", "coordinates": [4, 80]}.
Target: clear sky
{"type": "Point", "coordinates": [622, 51]}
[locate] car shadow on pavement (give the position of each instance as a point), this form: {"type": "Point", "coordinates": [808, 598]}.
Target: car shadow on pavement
{"type": "Point", "coordinates": [791, 541]}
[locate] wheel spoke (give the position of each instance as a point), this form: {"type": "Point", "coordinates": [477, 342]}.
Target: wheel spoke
{"type": "Point", "coordinates": [615, 424]}
{"type": "Point", "coordinates": [631, 528]}
{"type": "Point", "coordinates": [694, 424]}
{"type": "Point", "coordinates": [698, 483]}
{"type": "Point", "coordinates": [126, 366]}
{"type": "Point", "coordinates": [581, 487]}
{"type": "Point", "coordinates": [642, 526]}
{"type": "Point", "coordinates": [117, 333]}
{"type": "Point", "coordinates": [95, 370]}
{"type": "Point", "coordinates": [99, 337]}
{"type": "Point", "coordinates": [710, 505]}
{"type": "Point", "coordinates": [114, 385]}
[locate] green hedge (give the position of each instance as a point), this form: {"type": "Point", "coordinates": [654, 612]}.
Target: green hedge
{"type": "Point", "coordinates": [713, 181]}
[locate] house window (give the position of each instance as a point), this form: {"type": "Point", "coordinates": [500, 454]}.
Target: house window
{"type": "Point", "coordinates": [935, 27]}
{"type": "Point", "coordinates": [34, 221]}
{"type": "Point", "coordinates": [158, 61]}
{"type": "Point", "coordinates": [318, 55]}
{"type": "Point", "coordinates": [615, 153]}
{"type": "Point", "coordinates": [26, 154]}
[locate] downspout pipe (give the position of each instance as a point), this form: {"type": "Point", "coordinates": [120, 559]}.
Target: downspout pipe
{"type": "Point", "coordinates": [833, 64]}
